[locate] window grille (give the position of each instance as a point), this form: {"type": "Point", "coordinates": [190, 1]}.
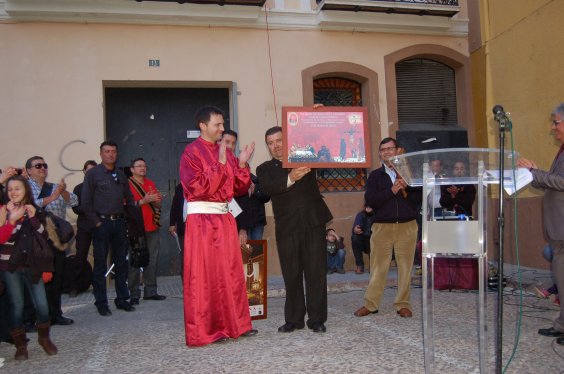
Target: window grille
{"type": "Point", "coordinates": [339, 92]}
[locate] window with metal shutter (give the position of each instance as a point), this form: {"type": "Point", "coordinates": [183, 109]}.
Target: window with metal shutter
{"type": "Point", "coordinates": [426, 92]}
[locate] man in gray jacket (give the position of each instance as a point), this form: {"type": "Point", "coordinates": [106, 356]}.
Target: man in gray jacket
{"type": "Point", "coordinates": [552, 182]}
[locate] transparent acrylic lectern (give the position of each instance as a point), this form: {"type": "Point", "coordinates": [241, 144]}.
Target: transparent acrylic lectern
{"type": "Point", "coordinates": [453, 234]}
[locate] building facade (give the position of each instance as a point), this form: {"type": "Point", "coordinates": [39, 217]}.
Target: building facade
{"type": "Point", "coordinates": [515, 51]}
{"type": "Point", "coordinates": [76, 73]}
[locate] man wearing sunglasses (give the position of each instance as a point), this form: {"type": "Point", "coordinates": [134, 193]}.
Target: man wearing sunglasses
{"type": "Point", "coordinates": [56, 199]}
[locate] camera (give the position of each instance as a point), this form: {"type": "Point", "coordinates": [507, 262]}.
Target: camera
{"type": "Point", "coordinates": [19, 171]}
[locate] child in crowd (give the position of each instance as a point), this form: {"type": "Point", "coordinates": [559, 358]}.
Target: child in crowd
{"type": "Point", "coordinates": [335, 252]}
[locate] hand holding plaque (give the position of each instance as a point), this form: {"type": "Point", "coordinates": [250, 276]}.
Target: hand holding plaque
{"type": "Point", "coordinates": [402, 182]}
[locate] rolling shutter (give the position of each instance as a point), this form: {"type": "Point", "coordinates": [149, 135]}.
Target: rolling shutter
{"type": "Point", "coordinates": [426, 92]}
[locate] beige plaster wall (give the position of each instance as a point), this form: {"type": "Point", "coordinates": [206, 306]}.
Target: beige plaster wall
{"type": "Point", "coordinates": [52, 81]}
{"type": "Point", "coordinates": [524, 72]}
{"type": "Point", "coordinates": [518, 66]}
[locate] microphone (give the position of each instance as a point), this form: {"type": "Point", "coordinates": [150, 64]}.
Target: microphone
{"type": "Point", "coordinates": [498, 109]}
{"type": "Point", "coordinates": [499, 113]}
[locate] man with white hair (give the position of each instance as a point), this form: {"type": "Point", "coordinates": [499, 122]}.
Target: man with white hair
{"type": "Point", "coordinates": [552, 182]}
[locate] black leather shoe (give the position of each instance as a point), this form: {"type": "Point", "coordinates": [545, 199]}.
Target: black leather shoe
{"type": "Point", "coordinates": [289, 327]}
{"type": "Point", "coordinates": [104, 310]}
{"type": "Point", "coordinates": [221, 340]}
{"type": "Point", "coordinates": [551, 332]}
{"type": "Point", "coordinates": [134, 301]}
{"type": "Point", "coordinates": [251, 332]}
{"type": "Point", "coordinates": [318, 327]}
{"type": "Point", "coordinates": [155, 297]}
{"type": "Point", "coordinates": [63, 321]}
{"type": "Point", "coordinates": [560, 340]}
{"type": "Point", "coordinates": [124, 305]}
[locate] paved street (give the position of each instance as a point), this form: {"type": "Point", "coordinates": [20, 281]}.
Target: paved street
{"type": "Point", "coordinates": [151, 339]}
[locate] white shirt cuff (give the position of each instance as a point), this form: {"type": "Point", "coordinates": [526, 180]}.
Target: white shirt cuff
{"type": "Point", "coordinates": [289, 182]}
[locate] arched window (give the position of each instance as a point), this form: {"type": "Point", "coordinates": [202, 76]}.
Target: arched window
{"type": "Point", "coordinates": [335, 91]}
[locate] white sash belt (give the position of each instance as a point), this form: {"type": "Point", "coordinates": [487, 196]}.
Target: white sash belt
{"type": "Point", "coordinates": [206, 207]}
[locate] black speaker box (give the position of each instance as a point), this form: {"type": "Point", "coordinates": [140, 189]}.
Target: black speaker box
{"type": "Point", "coordinates": [426, 137]}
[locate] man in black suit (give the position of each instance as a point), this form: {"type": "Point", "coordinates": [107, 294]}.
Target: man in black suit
{"type": "Point", "coordinates": [300, 215]}
{"type": "Point", "coordinates": [83, 237]}
{"type": "Point", "coordinates": [178, 222]}
{"type": "Point", "coordinates": [459, 198]}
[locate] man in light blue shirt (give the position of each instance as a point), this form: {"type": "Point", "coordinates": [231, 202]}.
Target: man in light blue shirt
{"type": "Point", "coordinates": [56, 199]}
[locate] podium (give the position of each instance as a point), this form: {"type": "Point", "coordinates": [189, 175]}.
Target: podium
{"type": "Point", "coordinates": [453, 234]}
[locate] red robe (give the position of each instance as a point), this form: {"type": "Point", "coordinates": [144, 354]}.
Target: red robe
{"type": "Point", "coordinates": [215, 296]}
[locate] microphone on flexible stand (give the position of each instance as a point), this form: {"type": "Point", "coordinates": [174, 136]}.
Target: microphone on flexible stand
{"type": "Point", "coordinates": [498, 112]}
{"type": "Point", "coordinates": [501, 116]}
{"type": "Point", "coordinates": [504, 124]}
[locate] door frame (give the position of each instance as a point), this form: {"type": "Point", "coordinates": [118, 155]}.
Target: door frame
{"type": "Point", "coordinates": [230, 85]}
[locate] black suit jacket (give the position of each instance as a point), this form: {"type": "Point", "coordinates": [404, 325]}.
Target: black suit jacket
{"type": "Point", "coordinates": [177, 210]}
{"type": "Point", "coordinates": [81, 219]}
{"type": "Point", "coordinates": [253, 213]}
{"type": "Point", "coordinates": [297, 207]}
{"type": "Point", "coordinates": [462, 202]}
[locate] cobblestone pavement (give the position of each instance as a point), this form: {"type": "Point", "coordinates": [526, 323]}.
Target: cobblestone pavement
{"type": "Point", "coordinates": [151, 339]}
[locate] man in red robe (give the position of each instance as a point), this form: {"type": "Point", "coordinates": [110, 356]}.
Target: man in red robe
{"type": "Point", "coordinates": [216, 307]}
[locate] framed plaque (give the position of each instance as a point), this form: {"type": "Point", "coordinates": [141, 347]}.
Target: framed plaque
{"type": "Point", "coordinates": [255, 269]}
{"type": "Point", "coordinates": [326, 137]}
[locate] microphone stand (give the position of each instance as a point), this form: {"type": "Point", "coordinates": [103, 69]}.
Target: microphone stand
{"type": "Point", "coordinates": [504, 125]}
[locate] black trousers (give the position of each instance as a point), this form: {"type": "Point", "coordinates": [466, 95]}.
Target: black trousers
{"type": "Point", "coordinates": [53, 289]}
{"type": "Point", "coordinates": [83, 241]}
{"type": "Point", "coordinates": [360, 245]}
{"type": "Point", "coordinates": [5, 320]}
{"type": "Point", "coordinates": [302, 256]}
{"type": "Point", "coordinates": [181, 242]}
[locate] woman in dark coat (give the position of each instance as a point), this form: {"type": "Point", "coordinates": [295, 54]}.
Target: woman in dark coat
{"type": "Point", "coordinates": [25, 261]}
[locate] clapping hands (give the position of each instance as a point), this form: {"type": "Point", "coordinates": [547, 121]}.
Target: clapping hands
{"type": "Point", "coordinates": [245, 154]}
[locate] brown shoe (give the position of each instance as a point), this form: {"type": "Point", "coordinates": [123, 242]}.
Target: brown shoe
{"type": "Point", "coordinates": [44, 340]}
{"type": "Point", "coordinates": [363, 312]}
{"type": "Point", "coordinates": [405, 313]}
{"type": "Point", "coordinates": [20, 341]}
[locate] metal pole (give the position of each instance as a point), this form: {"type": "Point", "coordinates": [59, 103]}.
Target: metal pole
{"type": "Point", "coordinates": [504, 123]}
{"type": "Point", "coordinates": [500, 222]}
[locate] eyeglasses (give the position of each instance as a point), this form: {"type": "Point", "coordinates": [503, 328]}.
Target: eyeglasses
{"type": "Point", "coordinates": [40, 166]}
{"type": "Point", "coordinates": [556, 122]}
{"type": "Point", "coordinates": [387, 149]}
